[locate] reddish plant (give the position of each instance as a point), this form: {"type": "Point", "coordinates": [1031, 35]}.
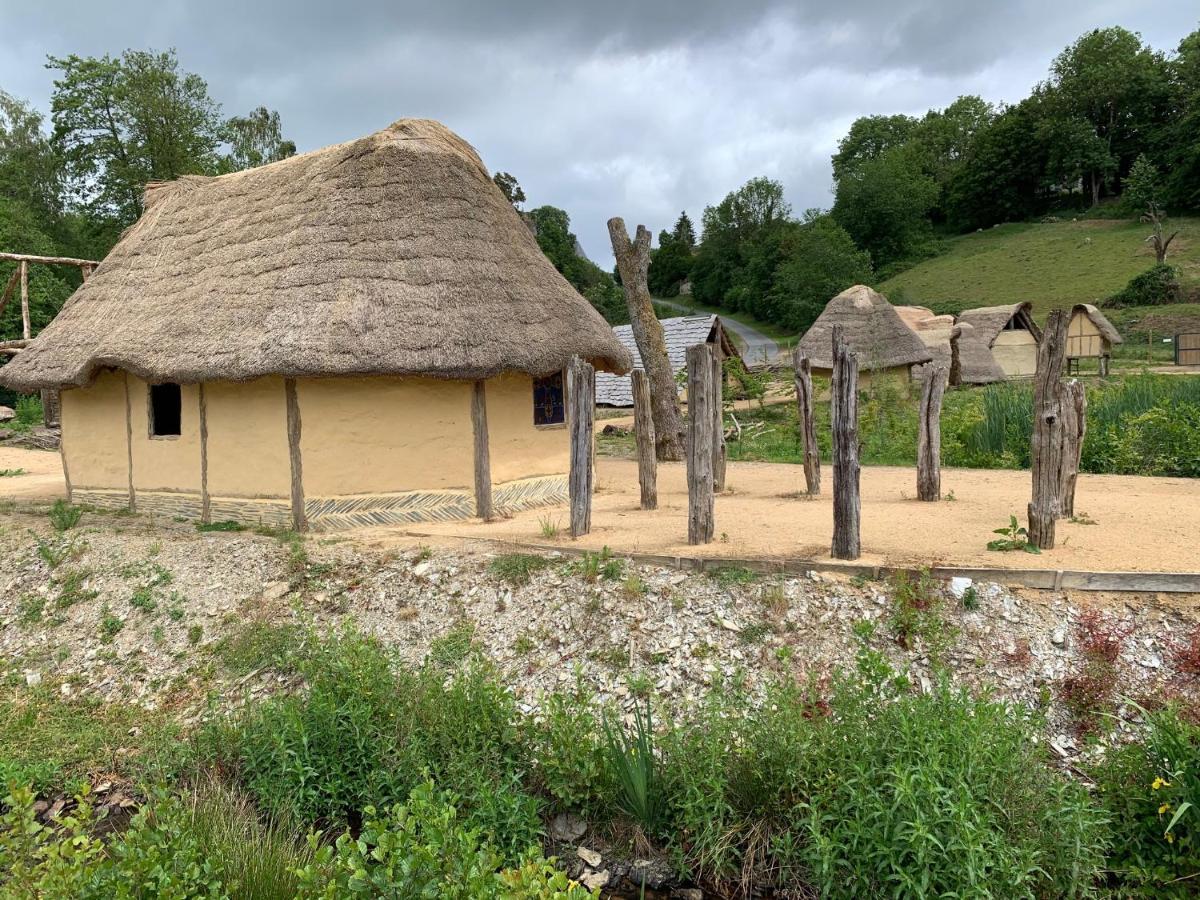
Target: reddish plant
{"type": "Point", "coordinates": [1101, 636]}
{"type": "Point", "coordinates": [1087, 695]}
{"type": "Point", "coordinates": [1020, 654]}
{"type": "Point", "coordinates": [1185, 656]}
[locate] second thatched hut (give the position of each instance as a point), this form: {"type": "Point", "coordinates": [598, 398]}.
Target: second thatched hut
{"type": "Point", "coordinates": [873, 329]}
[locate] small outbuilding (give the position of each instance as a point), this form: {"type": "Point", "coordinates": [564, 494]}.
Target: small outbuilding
{"type": "Point", "coordinates": [365, 334]}
{"type": "Point", "coordinates": [680, 333]}
{"type": "Point", "coordinates": [874, 330]}
{"type": "Point", "coordinates": [1090, 336]}
{"type": "Point", "coordinates": [1001, 343]}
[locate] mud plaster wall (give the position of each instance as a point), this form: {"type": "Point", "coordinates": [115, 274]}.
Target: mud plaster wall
{"type": "Point", "coordinates": [93, 433]}
{"type": "Point", "coordinates": [518, 448]}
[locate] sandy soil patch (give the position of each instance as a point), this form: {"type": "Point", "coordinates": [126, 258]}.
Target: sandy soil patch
{"type": "Point", "coordinates": [42, 478]}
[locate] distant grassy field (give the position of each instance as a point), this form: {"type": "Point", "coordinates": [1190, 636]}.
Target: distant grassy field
{"type": "Point", "coordinates": [1051, 265]}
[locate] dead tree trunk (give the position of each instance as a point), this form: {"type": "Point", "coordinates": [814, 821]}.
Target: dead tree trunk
{"type": "Point", "coordinates": [929, 440]}
{"type": "Point", "coordinates": [1074, 407]}
{"type": "Point", "coordinates": [718, 408]}
{"type": "Point", "coordinates": [844, 409]}
{"type": "Point", "coordinates": [633, 261]}
{"type": "Point", "coordinates": [1046, 449]}
{"type": "Point", "coordinates": [643, 426]}
{"type": "Point", "coordinates": [956, 334]}
{"type": "Point", "coordinates": [700, 444]}
{"type": "Point", "coordinates": [581, 401]}
{"type": "Point", "coordinates": [808, 431]}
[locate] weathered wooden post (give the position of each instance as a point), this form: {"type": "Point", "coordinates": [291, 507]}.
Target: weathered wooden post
{"type": "Point", "coordinates": [483, 457]}
{"type": "Point", "coordinates": [1074, 407]}
{"type": "Point", "coordinates": [700, 444]}
{"type": "Point", "coordinates": [929, 440]}
{"type": "Point", "coordinates": [643, 427]}
{"type": "Point", "coordinates": [718, 437]}
{"type": "Point", "coordinates": [844, 410]}
{"type": "Point", "coordinates": [581, 403]}
{"type": "Point", "coordinates": [808, 432]}
{"type": "Point", "coordinates": [956, 336]}
{"type": "Point", "coordinates": [26, 332]}
{"type": "Point", "coordinates": [1046, 449]}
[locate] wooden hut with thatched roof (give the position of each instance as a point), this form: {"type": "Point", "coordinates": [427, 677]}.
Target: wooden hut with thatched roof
{"type": "Point", "coordinates": [1001, 343]}
{"type": "Point", "coordinates": [874, 331]}
{"type": "Point", "coordinates": [336, 339]}
{"type": "Point", "coordinates": [1090, 336]}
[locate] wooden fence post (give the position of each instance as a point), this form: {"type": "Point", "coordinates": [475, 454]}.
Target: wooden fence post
{"type": "Point", "coordinates": [1074, 407]}
{"type": "Point", "coordinates": [956, 335]}
{"type": "Point", "coordinates": [643, 426]}
{"type": "Point", "coordinates": [700, 443]}
{"type": "Point", "coordinates": [718, 436]}
{"type": "Point", "coordinates": [929, 441]}
{"type": "Point", "coordinates": [808, 432]}
{"type": "Point", "coordinates": [581, 402]}
{"type": "Point", "coordinates": [844, 410]}
{"type": "Point", "coordinates": [1046, 449]}
{"type": "Point", "coordinates": [483, 458]}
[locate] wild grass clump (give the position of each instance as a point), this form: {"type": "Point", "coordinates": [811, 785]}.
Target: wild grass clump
{"type": "Point", "coordinates": [261, 645]}
{"type": "Point", "coordinates": [64, 516]}
{"type": "Point", "coordinates": [517, 568]}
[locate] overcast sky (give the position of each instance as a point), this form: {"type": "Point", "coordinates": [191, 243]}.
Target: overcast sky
{"type": "Point", "coordinates": [637, 108]}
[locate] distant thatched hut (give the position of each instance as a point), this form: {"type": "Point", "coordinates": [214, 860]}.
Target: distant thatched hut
{"type": "Point", "coordinates": [316, 340]}
{"type": "Point", "coordinates": [1090, 336]}
{"type": "Point", "coordinates": [1001, 343]}
{"type": "Point", "coordinates": [933, 330]}
{"type": "Point", "coordinates": [874, 331]}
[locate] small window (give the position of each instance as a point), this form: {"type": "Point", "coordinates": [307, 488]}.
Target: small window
{"type": "Point", "coordinates": [165, 410]}
{"type": "Point", "coordinates": [548, 405]}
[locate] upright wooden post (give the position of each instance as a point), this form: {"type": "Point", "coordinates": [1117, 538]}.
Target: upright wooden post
{"type": "Point", "coordinates": [205, 500]}
{"type": "Point", "coordinates": [299, 518]}
{"type": "Point", "coordinates": [956, 335]}
{"type": "Point", "coordinates": [1074, 409]}
{"type": "Point", "coordinates": [700, 443]}
{"type": "Point", "coordinates": [129, 445]}
{"type": "Point", "coordinates": [844, 410]}
{"type": "Point", "coordinates": [581, 403]}
{"type": "Point", "coordinates": [25, 329]}
{"type": "Point", "coordinates": [718, 435]}
{"type": "Point", "coordinates": [483, 456]}
{"type": "Point", "coordinates": [1047, 444]}
{"type": "Point", "coordinates": [929, 440]}
{"type": "Point", "coordinates": [643, 426]}
{"type": "Point", "coordinates": [808, 431]}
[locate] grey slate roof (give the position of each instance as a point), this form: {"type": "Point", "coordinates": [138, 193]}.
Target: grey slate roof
{"type": "Point", "coordinates": [681, 332]}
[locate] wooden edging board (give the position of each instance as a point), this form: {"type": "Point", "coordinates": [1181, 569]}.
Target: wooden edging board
{"type": "Point", "coordinates": [1042, 579]}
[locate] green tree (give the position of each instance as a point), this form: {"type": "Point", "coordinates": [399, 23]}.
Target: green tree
{"type": "Point", "coordinates": [683, 232]}
{"type": "Point", "coordinates": [254, 140]}
{"type": "Point", "coordinates": [30, 170]}
{"type": "Point", "coordinates": [819, 261]}
{"type": "Point", "coordinates": [869, 138]}
{"type": "Point", "coordinates": [1180, 140]}
{"type": "Point", "coordinates": [510, 188]}
{"type": "Point", "coordinates": [552, 228]}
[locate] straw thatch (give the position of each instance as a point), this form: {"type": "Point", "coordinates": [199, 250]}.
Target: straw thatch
{"type": "Point", "coordinates": [394, 254]}
{"type": "Point", "coordinates": [933, 330]}
{"type": "Point", "coordinates": [1105, 327]}
{"type": "Point", "coordinates": [874, 331]}
{"type": "Point", "coordinates": [978, 365]}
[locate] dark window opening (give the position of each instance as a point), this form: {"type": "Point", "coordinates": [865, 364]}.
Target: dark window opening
{"type": "Point", "coordinates": [549, 407]}
{"type": "Point", "coordinates": [166, 405]}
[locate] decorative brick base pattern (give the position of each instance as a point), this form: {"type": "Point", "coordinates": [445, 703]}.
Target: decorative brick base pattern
{"type": "Point", "coordinates": [275, 513]}
{"type": "Point", "coordinates": [530, 493]}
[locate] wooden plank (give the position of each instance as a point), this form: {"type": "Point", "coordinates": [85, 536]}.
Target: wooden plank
{"type": "Point", "coordinates": [718, 433]}
{"type": "Point", "coordinates": [25, 329]}
{"type": "Point", "coordinates": [844, 410]}
{"type": "Point", "coordinates": [1047, 443]}
{"type": "Point", "coordinates": [929, 439]}
{"type": "Point", "coordinates": [700, 443]}
{"type": "Point", "coordinates": [129, 444]}
{"type": "Point", "coordinates": [802, 366]}
{"type": "Point", "coordinates": [299, 520]}
{"type": "Point", "coordinates": [483, 461]}
{"type": "Point", "coordinates": [1074, 409]}
{"type": "Point", "coordinates": [581, 405]}
{"type": "Point", "coordinates": [49, 260]}
{"type": "Point", "coordinates": [205, 501]}
{"type": "Point", "coordinates": [643, 428]}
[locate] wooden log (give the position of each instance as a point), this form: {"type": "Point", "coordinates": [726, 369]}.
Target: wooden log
{"type": "Point", "coordinates": [808, 432]}
{"type": "Point", "coordinates": [18, 344]}
{"type": "Point", "coordinates": [929, 440]}
{"type": "Point", "coordinates": [49, 260]}
{"type": "Point", "coordinates": [844, 409]}
{"type": "Point", "coordinates": [205, 500]}
{"type": "Point", "coordinates": [299, 518]}
{"type": "Point", "coordinates": [643, 427]}
{"type": "Point", "coordinates": [129, 444]}
{"type": "Point", "coordinates": [700, 443]}
{"type": "Point", "coordinates": [718, 435]}
{"type": "Point", "coordinates": [1074, 409]}
{"type": "Point", "coordinates": [1047, 443]}
{"type": "Point", "coordinates": [581, 404]}
{"type": "Point", "coordinates": [25, 329]}
{"type": "Point", "coordinates": [483, 457]}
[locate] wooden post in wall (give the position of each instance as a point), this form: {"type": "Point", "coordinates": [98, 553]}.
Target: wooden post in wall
{"type": "Point", "coordinates": [808, 432]}
{"type": "Point", "coordinates": [483, 459]}
{"type": "Point", "coordinates": [299, 519]}
{"type": "Point", "coordinates": [581, 403]}
{"type": "Point", "coordinates": [643, 427]}
{"type": "Point", "coordinates": [129, 444]}
{"type": "Point", "coordinates": [205, 500]}
{"type": "Point", "coordinates": [718, 435]}
{"type": "Point", "coordinates": [700, 443]}
{"type": "Point", "coordinates": [844, 410]}
{"type": "Point", "coordinates": [26, 332]}
{"type": "Point", "coordinates": [1046, 449]}
{"type": "Point", "coordinates": [1074, 407]}
{"type": "Point", "coordinates": [929, 440]}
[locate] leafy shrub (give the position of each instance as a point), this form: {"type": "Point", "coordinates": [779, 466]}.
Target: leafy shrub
{"type": "Point", "coordinates": [1157, 286]}
{"type": "Point", "coordinates": [566, 745]}
{"type": "Point", "coordinates": [28, 413]}
{"type": "Point", "coordinates": [64, 516]}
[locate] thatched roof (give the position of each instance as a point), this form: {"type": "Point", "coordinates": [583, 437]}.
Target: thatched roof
{"type": "Point", "coordinates": [1102, 324]}
{"type": "Point", "coordinates": [977, 364]}
{"type": "Point", "coordinates": [394, 254]}
{"type": "Point", "coordinates": [933, 330]}
{"type": "Point", "coordinates": [874, 331]}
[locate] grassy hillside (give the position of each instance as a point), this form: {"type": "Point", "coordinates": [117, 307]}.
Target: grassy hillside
{"type": "Point", "coordinates": [1052, 265]}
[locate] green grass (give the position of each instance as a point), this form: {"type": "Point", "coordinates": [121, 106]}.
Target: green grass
{"type": "Point", "coordinates": [1051, 265]}
{"type": "Point", "coordinates": [517, 568]}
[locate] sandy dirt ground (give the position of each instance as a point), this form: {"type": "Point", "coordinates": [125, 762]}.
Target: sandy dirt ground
{"type": "Point", "coordinates": [1142, 524]}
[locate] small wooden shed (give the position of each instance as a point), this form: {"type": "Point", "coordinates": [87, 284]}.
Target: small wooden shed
{"type": "Point", "coordinates": [1001, 343]}
{"type": "Point", "coordinates": [1090, 336]}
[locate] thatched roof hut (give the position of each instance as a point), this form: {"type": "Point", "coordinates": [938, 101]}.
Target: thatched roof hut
{"type": "Point", "coordinates": [1001, 343]}
{"type": "Point", "coordinates": [933, 330]}
{"type": "Point", "coordinates": [874, 331]}
{"type": "Point", "coordinates": [377, 287]}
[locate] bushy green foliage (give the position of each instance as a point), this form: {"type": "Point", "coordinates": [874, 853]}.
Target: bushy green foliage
{"type": "Point", "coordinates": [1157, 286]}
{"type": "Point", "coordinates": [64, 516]}
{"type": "Point", "coordinates": [552, 228]}
{"type": "Point", "coordinates": [517, 568]}
{"type": "Point", "coordinates": [566, 742]}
